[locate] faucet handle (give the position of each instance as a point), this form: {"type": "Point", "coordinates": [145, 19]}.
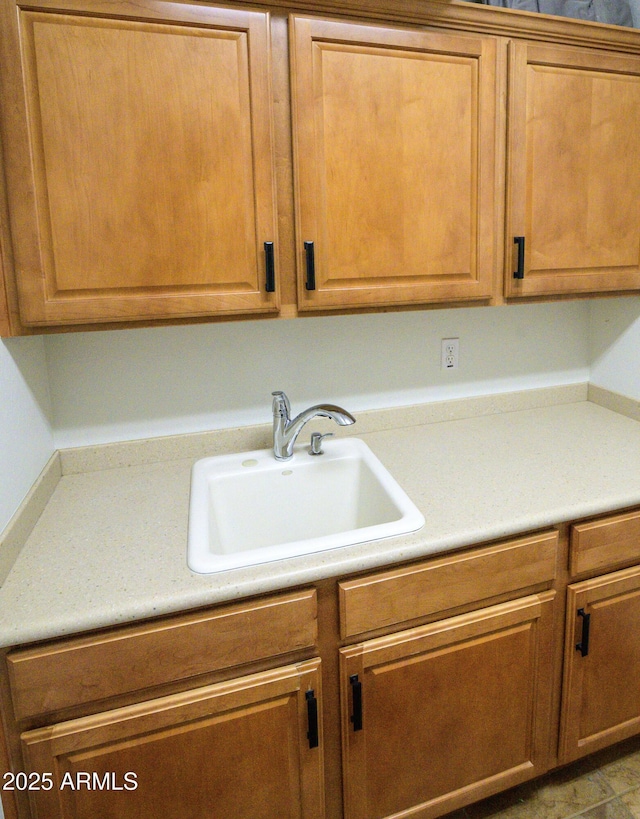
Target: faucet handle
{"type": "Point", "coordinates": [280, 403]}
{"type": "Point", "coordinates": [316, 442]}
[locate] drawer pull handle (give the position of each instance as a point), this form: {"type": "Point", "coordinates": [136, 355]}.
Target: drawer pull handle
{"type": "Point", "coordinates": [312, 718]}
{"type": "Point", "coordinates": [311, 265]}
{"type": "Point", "coordinates": [270, 285]}
{"type": "Point", "coordinates": [356, 695]}
{"type": "Point", "coordinates": [583, 645]}
{"type": "Point", "coordinates": [519, 272]}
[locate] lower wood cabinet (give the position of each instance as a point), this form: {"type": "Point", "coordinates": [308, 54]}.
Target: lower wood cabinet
{"type": "Point", "coordinates": [443, 714]}
{"type": "Point", "coordinates": [441, 687]}
{"type": "Point", "coordinates": [601, 695]}
{"type": "Point", "coordinates": [250, 747]}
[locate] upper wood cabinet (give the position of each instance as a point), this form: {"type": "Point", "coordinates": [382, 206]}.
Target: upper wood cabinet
{"type": "Point", "coordinates": [147, 176]}
{"type": "Point", "coordinates": [139, 163]}
{"type": "Point", "coordinates": [394, 152]}
{"type": "Point", "coordinates": [573, 170]}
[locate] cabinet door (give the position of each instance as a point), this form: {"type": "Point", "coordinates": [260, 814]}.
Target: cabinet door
{"type": "Point", "coordinates": [600, 694]}
{"type": "Point", "coordinates": [139, 160]}
{"type": "Point", "coordinates": [438, 716]}
{"type": "Point", "coordinates": [574, 171]}
{"type": "Point", "coordinates": [394, 140]}
{"type": "Point", "coordinates": [234, 750]}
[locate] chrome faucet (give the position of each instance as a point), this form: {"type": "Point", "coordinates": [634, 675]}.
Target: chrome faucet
{"type": "Point", "coordinates": [285, 430]}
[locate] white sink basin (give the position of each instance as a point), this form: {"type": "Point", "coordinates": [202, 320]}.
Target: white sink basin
{"type": "Point", "coordinates": [249, 508]}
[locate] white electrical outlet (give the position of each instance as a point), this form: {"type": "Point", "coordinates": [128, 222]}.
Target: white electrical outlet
{"type": "Point", "coordinates": [449, 354]}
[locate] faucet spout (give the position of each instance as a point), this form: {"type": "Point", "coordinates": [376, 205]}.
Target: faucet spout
{"type": "Point", "coordinates": [286, 430]}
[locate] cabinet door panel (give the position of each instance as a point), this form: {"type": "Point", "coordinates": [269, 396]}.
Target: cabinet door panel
{"type": "Point", "coordinates": [394, 134]}
{"type": "Point", "coordinates": [601, 697]}
{"type": "Point", "coordinates": [150, 174]}
{"type": "Point", "coordinates": [574, 170]}
{"type": "Point", "coordinates": [233, 750]}
{"type": "Point", "coordinates": [432, 738]}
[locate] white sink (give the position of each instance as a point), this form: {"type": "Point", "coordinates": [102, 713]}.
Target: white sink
{"type": "Point", "coordinates": [249, 508]}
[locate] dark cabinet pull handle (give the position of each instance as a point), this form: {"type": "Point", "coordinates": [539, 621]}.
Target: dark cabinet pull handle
{"type": "Point", "coordinates": [270, 286]}
{"type": "Point", "coordinates": [312, 718]}
{"type": "Point", "coordinates": [311, 265]}
{"type": "Point", "coordinates": [519, 273]}
{"type": "Point", "coordinates": [583, 645]}
{"type": "Point", "coordinates": [356, 695]}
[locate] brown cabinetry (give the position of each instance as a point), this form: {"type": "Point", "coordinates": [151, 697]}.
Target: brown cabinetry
{"type": "Point", "coordinates": [605, 544]}
{"type": "Point", "coordinates": [177, 717]}
{"type": "Point", "coordinates": [146, 177]}
{"type": "Point", "coordinates": [223, 709]}
{"type": "Point", "coordinates": [573, 170]}
{"type": "Point", "coordinates": [601, 697]}
{"type": "Point", "coordinates": [394, 134]}
{"type": "Point", "coordinates": [241, 748]}
{"type": "Point", "coordinates": [141, 163]}
{"type": "Point", "coordinates": [55, 676]}
{"type": "Point", "coordinates": [443, 583]}
{"type": "Point", "coordinates": [378, 702]}
{"type": "Point", "coordinates": [421, 734]}
{"type": "Point", "coordinates": [421, 731]}
{"type": "Point", "coordinates": [139, 160]}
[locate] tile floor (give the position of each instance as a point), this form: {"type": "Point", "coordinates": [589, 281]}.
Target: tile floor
{"type": "Point", "coordinates": [603, 786]}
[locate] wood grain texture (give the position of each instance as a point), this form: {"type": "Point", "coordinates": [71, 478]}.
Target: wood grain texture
{"type": "Point", "coordinates": [238, 749]}
{"type": "Point", "coordinates": [450, 672]}
{"type": "Point", "coordinates": [391, 597]}
{"type": "Point", "coordinates": [176, 303]}
{"type": "Point", "coordinates": [394, 147]}
{"type": "Point", "coordinates": [10, 323]}
{"type": "Point", "coordinates": [605, 544]}
{"type": "Point", "coordinates": [574, 170]}
{"type": "Point", "coordinates": [84, 669]}
{"type": "Point", "coordinates": [5, 244]}
{"type": "Point", "coordinates": [7, 798]}
{"type": "Point", "coordinates": [432, 737]}
{"type": "Point", "coordinates": [601, 697]}
{"type": "Point", "coordinates": [152, 183]}
{"type": "Point", "coordinates": [5, 323]}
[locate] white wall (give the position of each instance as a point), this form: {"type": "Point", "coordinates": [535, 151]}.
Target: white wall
{"type": "Point", "coordinates": [615, 345]}
{"type": "Point", "coordinates": [26, 438]}
{"type": "Point", "coordinates": [108, 386]}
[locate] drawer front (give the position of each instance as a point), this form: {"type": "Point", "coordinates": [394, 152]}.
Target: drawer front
{"type": "Point", "coordinates": [605, 544]}
{"type": "Point", "coordinates": [71, 672]}
{"type": "Point", "coordinates": [404, 594]}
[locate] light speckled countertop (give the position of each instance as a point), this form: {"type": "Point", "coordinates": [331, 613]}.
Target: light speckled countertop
{"type": "Point", "coordinates": [110, 546]}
